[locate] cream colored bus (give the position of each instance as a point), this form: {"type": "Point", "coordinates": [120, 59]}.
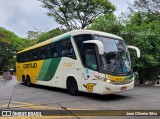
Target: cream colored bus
{"type": "Point", "coordinates": [79, 61]}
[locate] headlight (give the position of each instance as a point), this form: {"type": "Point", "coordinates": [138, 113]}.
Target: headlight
{"type": "Point", "coordinates": [103, 77]}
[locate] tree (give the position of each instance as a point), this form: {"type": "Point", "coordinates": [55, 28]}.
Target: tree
{"type": "Point", "coordinates": [75, 14]}
{"type": "Point", "coordinates": [147, 6]}
{"type": "Point", "coordinates": [50, 34]}
{"type": "Point", "coordinates": [144, 28]}
{"type": "Point", "coordinates": [32, 35]}
{"type": "Point", "coordinates": [107, 23]}
{"type": "Point", "coordinates": [143, 31]}
{"type": "Point", "coordinates": [9, 45]}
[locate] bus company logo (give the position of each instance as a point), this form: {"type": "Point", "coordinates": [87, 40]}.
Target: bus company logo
{"type": "Point", "coordinates": [6, 113]}
{"type": "Point", "coordinates": [30, 65]}
{"type": "Point", "coordinates": [68, 64]}
{"type": "Point", "coordinates": [89, 86]}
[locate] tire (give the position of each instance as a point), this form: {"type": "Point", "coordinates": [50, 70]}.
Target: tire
{"type": "Point", "coordinates": [28, 82]}
{"type": "Point", "coordinates": [72, 87]}
{"type": "Point", "coordinates": [24, 81]}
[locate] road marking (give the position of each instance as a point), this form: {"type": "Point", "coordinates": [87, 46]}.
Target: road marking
{"type": "Point", "coordinates": [3, 101]}
{"type": "Point", "coordinates": [15, 104]}
{"type": "Point", "coordinates": [22, 105]}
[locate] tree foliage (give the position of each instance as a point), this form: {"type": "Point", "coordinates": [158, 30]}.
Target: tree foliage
{"type": "Point", "coordinates": [107, 23]}
{"type": "Point", "coordinates": [9, 45]}
{"type": "Point", "coordinates": [147, 6]}
{"type": "Point", "coordinates": [50, 34]}
{"type": "Point", "coordinates": [141, 30]}
{"type": "Point", "coordinates": [75, 14]}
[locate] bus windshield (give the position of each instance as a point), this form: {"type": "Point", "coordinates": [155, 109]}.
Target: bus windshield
{"type": "Point", "coordinates": [116, 57]}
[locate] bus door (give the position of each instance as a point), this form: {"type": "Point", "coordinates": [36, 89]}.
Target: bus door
{"type": "Point", "coordinates": [90, 81]}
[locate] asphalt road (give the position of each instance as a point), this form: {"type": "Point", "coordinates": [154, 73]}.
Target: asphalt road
{"type": "Point", "coordinates": [14, 95]}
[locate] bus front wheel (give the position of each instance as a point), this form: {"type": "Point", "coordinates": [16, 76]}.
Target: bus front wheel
{"type": "Point", "coordinates": [72, 87]}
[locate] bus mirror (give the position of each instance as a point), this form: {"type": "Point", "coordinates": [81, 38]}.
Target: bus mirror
{"type": "Point", "coordinates": [135, 48]}
{"type": "Point", "coordinates": [99, 45]}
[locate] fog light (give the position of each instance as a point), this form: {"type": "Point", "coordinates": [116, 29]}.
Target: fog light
{"type": "Point", "coordinates": [108, 81]}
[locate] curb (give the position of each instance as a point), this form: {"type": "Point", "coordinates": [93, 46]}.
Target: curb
{"type": "Point", "coordinates": [157, 85]}
{"type": "Point", "coordinates": [144, 85]}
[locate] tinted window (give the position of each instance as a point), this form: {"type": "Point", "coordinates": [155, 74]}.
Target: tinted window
{"type": "Point", "coordinates": [80, 45]}
{"type": "Point", "coordinates": [66, 48]}
{"type": "Point", "coordinates": [79, 40]}
{"type": "Point", "coordinates": [90, 56]}
{"type": "Point", "coordinates": [54, 50]}
{"type": "Point", "coordinates": [62, 48]}
{"type": "Point", "coordinates": [45, 52]}
{"type": "Point", "coordinates": [27, 56]}
{"type": "Point", "coordinates": [35, 54]}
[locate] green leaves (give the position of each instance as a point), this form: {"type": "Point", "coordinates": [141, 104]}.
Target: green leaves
{"type": "Point", "coordinates": [147, 6]}
{"type": "Point", "coordinates": [50, 34]}
{"type": "Point", "coordinates": [76, 14]}
{"type": "Point", "coordinates": [141, 30]}
{"type": "Point", "coordinates": [9, 45]}
{"type": "Point", "coordinates": [107, 23]}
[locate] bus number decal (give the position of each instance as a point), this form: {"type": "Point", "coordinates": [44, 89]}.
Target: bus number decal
{"type": "Point", "coordinates": [30, 65]}
{"type": "Point", "coordinates": [89, 86]}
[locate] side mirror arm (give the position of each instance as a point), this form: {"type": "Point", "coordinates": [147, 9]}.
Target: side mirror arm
{"type": "Point", "coordinates": [135, 48]}
{"type": "Point", "coordinates": [99, 45]}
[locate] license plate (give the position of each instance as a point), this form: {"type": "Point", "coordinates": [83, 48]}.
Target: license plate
{"type": "Point", "coordinates": [123, 88]}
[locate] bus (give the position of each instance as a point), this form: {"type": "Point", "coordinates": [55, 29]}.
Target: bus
{"type": "Point", "coordinates": [79, 61]}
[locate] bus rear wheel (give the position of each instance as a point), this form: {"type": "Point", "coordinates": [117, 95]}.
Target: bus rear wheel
{"type": "Point", "coordinates": [72, 87]}
{"type": "Point", "coordinates": [28, 82]}
{"type": "Point", "coordinates": [23, 80]}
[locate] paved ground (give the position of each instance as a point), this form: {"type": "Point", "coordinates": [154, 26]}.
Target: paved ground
{"type": "Point", "coordinates": [14, 95]}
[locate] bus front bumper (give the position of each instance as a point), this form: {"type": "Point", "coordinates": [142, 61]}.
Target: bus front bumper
{"type": "Point", "coordinates": [108, 87]}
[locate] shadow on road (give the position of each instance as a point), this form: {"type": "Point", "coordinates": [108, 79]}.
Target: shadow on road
{"type": "Point", "coordinates": [109, 97]}
{"type": "Point", "coordinates": [49, 88]}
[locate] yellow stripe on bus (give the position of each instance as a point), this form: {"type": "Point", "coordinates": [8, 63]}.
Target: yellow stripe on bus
{"type": "Point", "coordinates": [116, 78]}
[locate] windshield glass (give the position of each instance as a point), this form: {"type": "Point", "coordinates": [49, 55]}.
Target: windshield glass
{"type": "Point", "coordinates": [116, 58]}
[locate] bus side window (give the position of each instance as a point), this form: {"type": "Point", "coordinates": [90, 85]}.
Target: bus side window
{"type": "Point", "coordinates": [79, 43]}
{"type": "Point", "coordinates": [67, 49]}
{"type": "Point", "coordinates": [35, 54]}
{"type": "Point", "coordinates": [27, 56]}
{"type": "Point", "coordinates": [53, 50]}
{"type": "Point", "coordinates": [43, 53]}
{"type": "Point", "coordinates": [31, 58]}
{"type": "Point", "coordinates": [47, 51]}
{"type": "Point", "coordinates": [23, 58]}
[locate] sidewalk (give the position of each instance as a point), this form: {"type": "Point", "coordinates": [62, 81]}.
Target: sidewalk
{"type": "Point", "coordinates": [1, 77]}
{"type": "Point", "coordinates": [7, 82]}
{"type": "Point", "coordinates": [156, 84]}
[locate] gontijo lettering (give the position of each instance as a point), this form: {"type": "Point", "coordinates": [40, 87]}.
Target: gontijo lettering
{"type": "Point", "coordinates": [30, 65]}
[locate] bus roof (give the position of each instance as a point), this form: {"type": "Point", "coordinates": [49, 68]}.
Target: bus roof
{"type": "Point", "coordinates": [78, 32]}
{"type": "Point", "coordinates": [68, 34]}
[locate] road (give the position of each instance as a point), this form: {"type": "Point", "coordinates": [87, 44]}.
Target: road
{"type": "Point", "coordinates": [14, 95]}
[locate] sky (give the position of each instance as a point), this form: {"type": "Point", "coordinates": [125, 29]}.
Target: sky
{"type": "Point", "coordinates": [21, 16]}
